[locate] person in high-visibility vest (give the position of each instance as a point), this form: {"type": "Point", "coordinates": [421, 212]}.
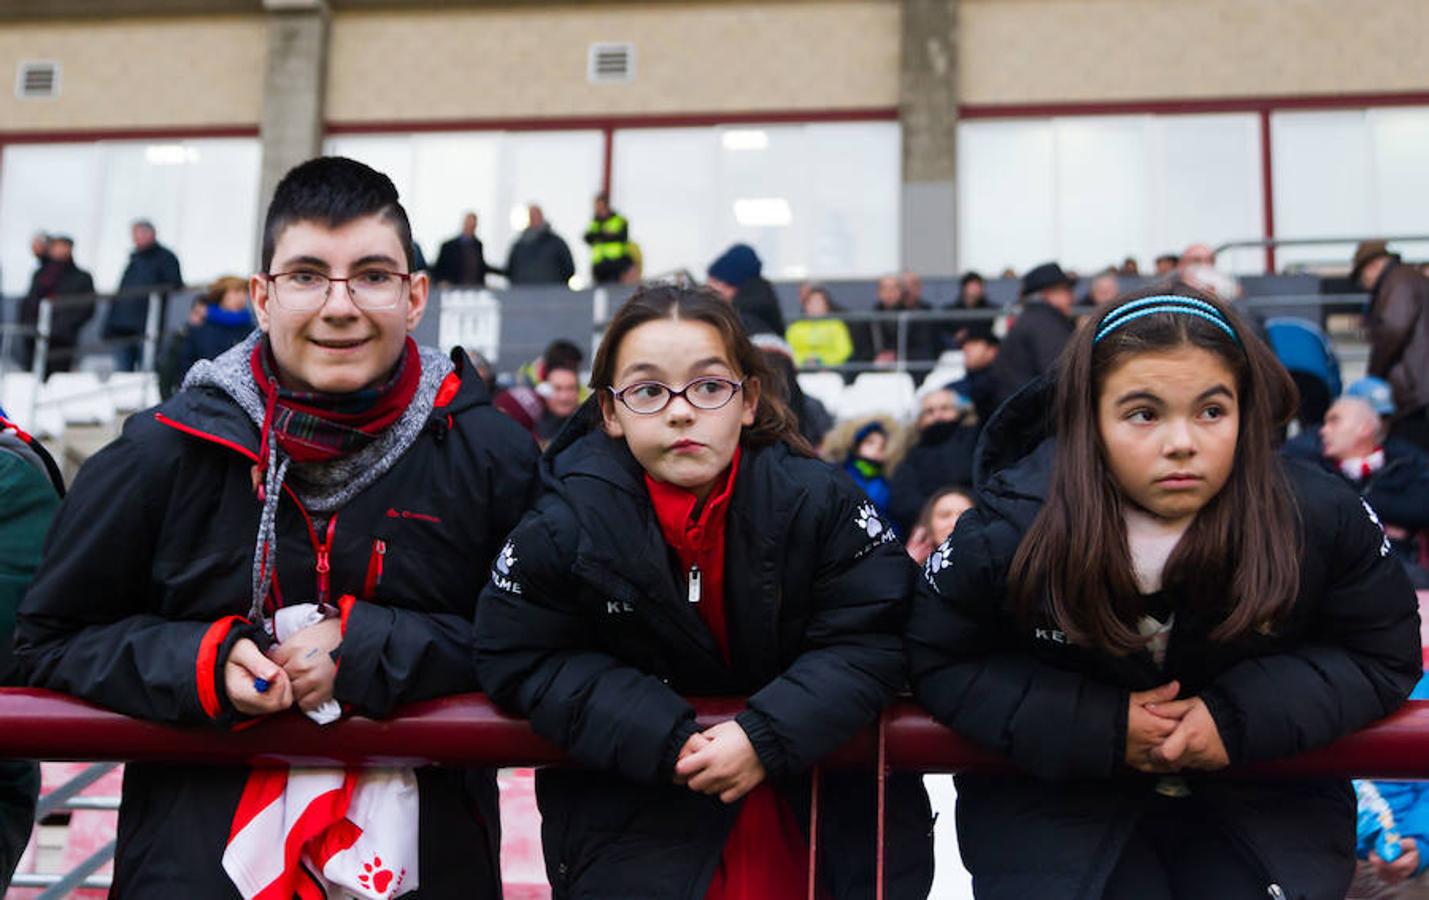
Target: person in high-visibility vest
{"type": "Point", "coordinates": [608, 235]}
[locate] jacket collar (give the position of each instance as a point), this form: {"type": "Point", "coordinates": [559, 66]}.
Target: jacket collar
{"type": "Point", "coordinates": [622, 551]}
{"type": "Point", "coordinates": [209, 412]}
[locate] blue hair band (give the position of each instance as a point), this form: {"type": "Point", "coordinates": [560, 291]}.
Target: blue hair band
{"type": "Point", "coordinates": [1166, 303]}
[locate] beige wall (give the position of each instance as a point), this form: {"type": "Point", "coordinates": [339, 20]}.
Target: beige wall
{"type": "Point", "coordinates": [137, 73]}
{"type": "Point", "coordinates": [690, 57]}
{"type": "Point", "coordinates": [1025, 51]}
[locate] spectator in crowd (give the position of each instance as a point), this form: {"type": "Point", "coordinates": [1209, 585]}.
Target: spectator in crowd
{"type": "Point", "coordinates": [1130, 268]}
{"type": "Point", "coordinates": [523, 405]}
{"type": "Point", "coordinates": [152, 267]}
{"type": "Point", "coordinates": [818, 340]}
{"type": "Point", "coordinates": [1167, 265]}
{"type": "Point", "coordinates": [31, 485]}
{"type": "Point", "coordinates": [1393, 823]}
{"type": "Point", "coordinates": [972, 294]}
{"type": "Point", "coordinates": [946, 433]}
{"type": "Point", "coordinates": [660, 564]}
{"type": "Point", "coordinates": [561, 392]}
{"type": "Point", "coordinates": [876, 341]}
{"type": "Point", "coordinates": [60, 279]}
{"type": "Point", "coordinates": [150, 601]}
{"type": "Point", "coordinates": [1398, 324]}
{"type": "Point", "coordinates": [979, 382]}
{"type": "Point", "coordinates": [539, 255]}
{"type": "Point", "coordinates": [1036, 339]}
{"type": "Point", "coordinates": [608, 235]}
{"type": "Point", "coordinates": [737, 277]}
{"type": "Point", "coordinates": [40, 250]}
{"type": "Point", "coordinates": [461, 262]}
{"type": "Point", "coordinates": [559, 353]}
{"type": "Point", "coordinates": [936, 521]}
{"type": "Point", "coordinates": [1193, 256]}
{"type": "Point", "coordinates": [227, 321]}
{"type": "Point", "coordinates": [863, 448]}
{"type": "Point", "coordinates": [1143, 595]}
{"type": "Point", "coordinates": [1105, 288]}
{"type": "Point", "coordinates": [814, 420]}
{"type": "Point", "coordinates": [1309, 357]}
{"type": "Point", "coordinates": [1391, 474]}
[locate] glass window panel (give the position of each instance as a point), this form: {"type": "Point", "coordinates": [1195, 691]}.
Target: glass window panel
{"type": "Point", "coordinates": [1101, 190]}
{"type": "Point", "coordinates": [46, 187]}
{"type": "Point", "coordinates": [1323, 184]}
{"type": "Point", "coordinates": [1206, 187]}
{"type": "Point", "coordinates": [1400, 141]}
{"type": "Point", "coordinates": [1006, 202]}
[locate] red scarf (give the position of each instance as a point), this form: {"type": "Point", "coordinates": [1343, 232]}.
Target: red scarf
{"type": "Point", "coordinates": [317, 427]}
{"type": "Point", "coordinates": [766, 856]}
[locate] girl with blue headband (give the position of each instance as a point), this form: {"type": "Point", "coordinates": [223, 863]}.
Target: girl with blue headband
{"type": "Point", "coordinates": [1146, 595]}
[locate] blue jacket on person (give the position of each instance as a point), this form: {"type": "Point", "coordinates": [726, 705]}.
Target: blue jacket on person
{"type": "Point", "coordinates": [1408, 803]}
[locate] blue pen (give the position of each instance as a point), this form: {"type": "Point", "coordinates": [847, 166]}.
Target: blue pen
{"type": "Point", "coordinates": [261, 685]}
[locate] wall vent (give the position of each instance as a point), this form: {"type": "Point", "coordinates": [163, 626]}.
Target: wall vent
{"type": "Point", "coordinates": [37, 80]}
{"type": "Point", "coordinates": [611, 63]}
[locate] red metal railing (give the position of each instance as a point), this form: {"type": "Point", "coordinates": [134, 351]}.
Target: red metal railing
{"type": "Point", "coordinates": [468, 730]}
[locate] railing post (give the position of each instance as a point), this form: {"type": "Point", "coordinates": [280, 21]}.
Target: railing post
{"type": "Point", "coordinates": [814, 833]}
{"type": "Point", "coordinates": [151, 332]}
{"type": "Point", "coordinates": [42, 340]}
{"type": "Point", "coordinates": [902, 341]}
{"type": "Point", "coordinates": [882, 779]}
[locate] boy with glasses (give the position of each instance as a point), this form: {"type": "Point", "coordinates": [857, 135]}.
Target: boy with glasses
{"type": "Point", "coordinates": [306, 524]}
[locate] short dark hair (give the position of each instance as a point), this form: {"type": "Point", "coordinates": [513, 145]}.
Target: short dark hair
{"type": "Point", "coordinates": [563, 354]}
{"type": "Point", "coordinates": [333, 191]}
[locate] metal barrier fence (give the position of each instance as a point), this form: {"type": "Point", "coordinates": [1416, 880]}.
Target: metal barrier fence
{"type": "Point", "coordinates": [467, 729]}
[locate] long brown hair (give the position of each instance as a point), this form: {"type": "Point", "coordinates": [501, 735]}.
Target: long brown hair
{"type": "Point", "coordinates": [773, 420]}
{"type": "Point", "coordinates": [1239, 557]}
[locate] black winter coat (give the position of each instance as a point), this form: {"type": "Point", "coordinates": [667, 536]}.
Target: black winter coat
{"type": "Point", "coordinates": [539, 257]}
{"type": "Point", "coordinates": [585, 628]}
{"type": "Point", "coordinates": [758, 306]}
{"type": "Point", "coordinates": [1399, 491]}
{"type": "Point", "coordinates": [154, 267]}
{"type": "Point", "coordinates": [1031, 348]}
{"type": "Point", "coordinates": [1347, 654]}
{"type": "Point", "coordinates": [448, 267]}
{"type": "Point", "coordinates": [940, 459]}
{"type": "Point", "coordinates": [154, 545]}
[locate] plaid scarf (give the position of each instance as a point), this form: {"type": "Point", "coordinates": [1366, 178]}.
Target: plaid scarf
{"type": "Point", "coordinates": [316, 427]}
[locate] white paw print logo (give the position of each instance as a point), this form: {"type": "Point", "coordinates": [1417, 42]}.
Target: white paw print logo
{"type": "Point", "coordinates": [506, 560]}
{"type": "Point", "coordinates": [938, 560]}
{"type": "Point", "coordinates": [1384, 547]}
{"type": "Point", "coordinates": [867, 519]}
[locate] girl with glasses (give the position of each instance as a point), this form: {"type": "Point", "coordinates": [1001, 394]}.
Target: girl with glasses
{"type": "Point", "coordinates": [689, 544]}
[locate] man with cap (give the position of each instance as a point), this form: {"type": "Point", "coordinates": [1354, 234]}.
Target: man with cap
{"type": "Point", "coordinates": [1391, 475]}
{"type": "Point", "coordinates": [152, 266]}
{"type": "Point", "coordinates": [736, 276]}
{"type": "Point", "coordinates": [1036, 339]}
{"type": "Point", "coordinates": [1398, 325]}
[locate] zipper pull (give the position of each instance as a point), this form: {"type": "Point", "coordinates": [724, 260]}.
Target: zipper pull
{"type": "Point", "coordinates": [694, 590]}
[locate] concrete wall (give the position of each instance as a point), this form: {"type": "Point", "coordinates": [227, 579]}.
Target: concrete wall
{"type": "Point", "coordinates": [1037, 51]}
{"type": "Point", "coordinates": [138, 73]}
{"type": "Point", "coordinates": [690, 57]}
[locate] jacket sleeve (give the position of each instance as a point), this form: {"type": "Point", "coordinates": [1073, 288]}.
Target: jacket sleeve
{"type": "Point", "coordinates": [1359, 662]}
{"type": "Point", "coordinates": [392, 655]}
{"type": "Point", "coordinates": [88, 625]}
{"type": "Point", "coordinates": [534, 655]}
{"type": "Point", "coordinates": [568, 265]}
{"type": "Point", "coordinates": [852, 661]}
{"type": "Point", "coordinates": [30, 502]}
{"type": "Point", "coordinates": [1392, 322]}
{"type": "Point", "coordinates": [968, 671]}
{"type": "Point", "coordinates": [1404, 500]}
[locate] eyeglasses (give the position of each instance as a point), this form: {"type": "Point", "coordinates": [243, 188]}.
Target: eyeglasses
{"type": "Point", "coordinates": [646, 398]}
{"type": "Point", "coordinates": [370, 289]}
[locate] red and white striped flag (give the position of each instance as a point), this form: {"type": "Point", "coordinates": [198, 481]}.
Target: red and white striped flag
{"type": "Point", "coordinates": [324, 834]}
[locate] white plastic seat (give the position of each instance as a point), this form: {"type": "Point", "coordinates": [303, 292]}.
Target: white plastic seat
{"type": "Point", "coordinates": [133, 391]}
{"type": "Point", "coordinates": [825, 387]}
{"type": "Point", "coordinates": [79, 398]}
{"type": "Point", "coordinates": [940, 378]}
{"type": "Point", "coordinates": [872, 393]}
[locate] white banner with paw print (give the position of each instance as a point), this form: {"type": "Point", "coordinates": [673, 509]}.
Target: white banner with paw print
{"type": "Point", "coordinates": [353, 831]}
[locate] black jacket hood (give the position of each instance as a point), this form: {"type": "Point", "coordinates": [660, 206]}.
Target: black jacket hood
{"type": "Point", "coordinates": [1012, 466]}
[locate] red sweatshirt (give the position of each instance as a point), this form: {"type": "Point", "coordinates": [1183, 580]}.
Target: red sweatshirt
{"type": "Point", "coordinates": [766, 856]}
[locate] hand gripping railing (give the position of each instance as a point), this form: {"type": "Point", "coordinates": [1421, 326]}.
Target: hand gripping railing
{"type": "Point", "coordinates": [467, 729]}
